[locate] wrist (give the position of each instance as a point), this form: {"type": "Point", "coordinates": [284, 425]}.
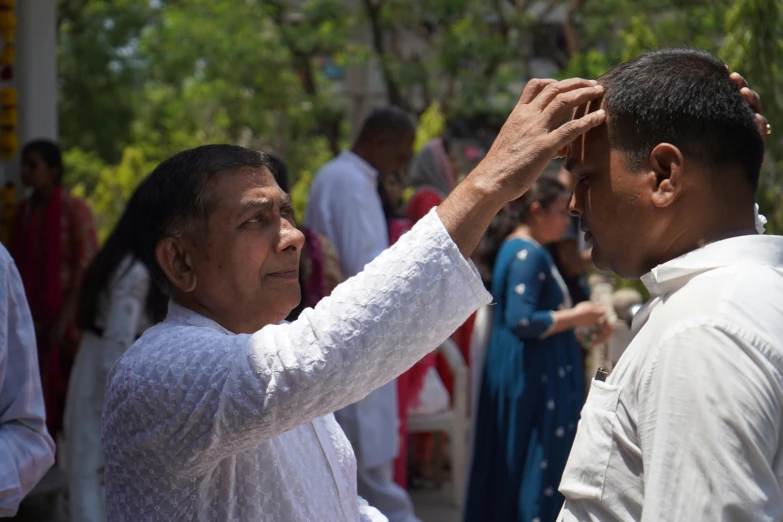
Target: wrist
{"type": "Point", "coordinates": [484, 190]}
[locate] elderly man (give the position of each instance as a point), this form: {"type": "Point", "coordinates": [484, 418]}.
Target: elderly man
{"type": "Point", "coordinates": [345, 207]}
{"type": "Point", "coordinates": [222, 413]}
{"type": "Point", "coordinates": [689, 425]}
{"type": "Point", "coordinates": [26, 449]}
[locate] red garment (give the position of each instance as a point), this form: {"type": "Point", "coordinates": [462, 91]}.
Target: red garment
{"type": "Point", "coordinates": [52, 249]}
{"type": "Point", "coordinates": [421, 203]}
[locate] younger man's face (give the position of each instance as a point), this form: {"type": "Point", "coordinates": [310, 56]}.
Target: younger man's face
{"type": "Point", "coordinates": [614, 204]}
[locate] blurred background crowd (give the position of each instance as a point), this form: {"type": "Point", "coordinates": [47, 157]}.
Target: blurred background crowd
{"type": "Point", "coordinates": [416, 90]}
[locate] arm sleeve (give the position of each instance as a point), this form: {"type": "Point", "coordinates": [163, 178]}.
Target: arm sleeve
{"type": "Point", "coordinates": [126, 304]}
{"type": "Point", "coordinates": [527, 276]}
{"type": "Point", "coordinates": [26, 449]}
{"type": "Point", "coordinates": [200, 396]}
{"type": "Point", "coordinates": [709, 422]}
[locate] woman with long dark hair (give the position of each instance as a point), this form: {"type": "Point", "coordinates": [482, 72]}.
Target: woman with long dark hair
{"type": "Point", "coordinates": [52, 243]}
{"type": "Point", "coordinates": [117, 303]}
{"type": "Point", "coordinates": [533, 379]}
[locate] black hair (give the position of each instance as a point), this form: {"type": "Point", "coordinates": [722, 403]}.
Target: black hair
{"type": "Point", "coordinates": [545, 191]}
{"type": "Point", "coordinates": [122, 242]}
{"type": "Point", "coordinates": [386, 121]}
{"type": "Point", "coordinates": [279, 171]}
{"type": "Point", "coordinates": [684, 97]}
{"type": "Point", "coordinates": [49, 152]}
{"type": "Point", "coordinates": [175, 198]}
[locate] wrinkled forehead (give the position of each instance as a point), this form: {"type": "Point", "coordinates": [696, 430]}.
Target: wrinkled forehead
{"type": "Point", "coordinates": [578, 151]}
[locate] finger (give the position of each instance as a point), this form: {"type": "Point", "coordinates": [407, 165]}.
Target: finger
{"type": "Point", "coordinates": [571, 130]}
{"type": "Point", "coordinates": [554, 89]}
{"type": "Point", "coordinates": [533, 88]}
{"type": "Point", "coordinates": [752, 97]}
{"type": "Point", "coordinates": [564, 102]}
{"type": "Point", "coordinates": [763, 125]}
{"type": "Point", "coordinates": [738, 79]}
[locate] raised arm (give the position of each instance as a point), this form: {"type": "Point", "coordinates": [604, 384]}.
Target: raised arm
{"type": "Point", "coordinates": [222, 394]}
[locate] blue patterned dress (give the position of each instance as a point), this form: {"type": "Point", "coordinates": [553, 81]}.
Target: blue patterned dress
{"type": "Point", "coordinates": [531, 393]}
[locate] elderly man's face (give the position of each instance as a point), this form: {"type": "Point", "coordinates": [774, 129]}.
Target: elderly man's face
{"type": "Point", "coordinates": [614, 204]}
{"type": "Point", "coordinates": [247, 268]}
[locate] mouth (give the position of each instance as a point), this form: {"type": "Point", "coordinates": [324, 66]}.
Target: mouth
{"type": "Point", "coordinates": [288, 273]}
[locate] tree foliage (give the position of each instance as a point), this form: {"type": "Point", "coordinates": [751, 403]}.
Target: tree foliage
{"type": "Point", "coordinates": [142, 79]}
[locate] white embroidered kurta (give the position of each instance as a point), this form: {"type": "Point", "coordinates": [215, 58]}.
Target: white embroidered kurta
{"type": "Point", "coordinates": [344, 205]}
{"type": "Point", "coordinates": [201, 424]}
{"type": "Point", "coordinates": [26, 449]}
{"type": "Point", "coordinates": [689, 424]}
{"type": "Point", "coordinates": [122, 318]}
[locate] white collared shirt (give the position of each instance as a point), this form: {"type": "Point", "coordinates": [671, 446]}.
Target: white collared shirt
{"type": "Point", "coordinates": [344, 205]}
{"type": "Point", "coordinates": [26, 449]}
{"type": "Point", "coordinates": [689, 425]}
{"type": "Point", "coordinates": [201, 424]}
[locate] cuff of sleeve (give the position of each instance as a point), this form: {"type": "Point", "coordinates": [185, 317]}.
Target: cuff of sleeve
{"type": "Point", "coordinates": [549, 330]}
{"type": "Point", "coordinates": [466, 269]}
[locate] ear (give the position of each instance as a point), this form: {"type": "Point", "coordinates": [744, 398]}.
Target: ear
{"type": "Point", "coordinates": [666, 162]}
{"type": "Point", "coordinates": [535, 209]}
{"type": "Point", "coordinates": [173, 258]}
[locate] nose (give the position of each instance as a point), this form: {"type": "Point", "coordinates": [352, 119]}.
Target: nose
{"type": "Point", "coordinates": [291, 238]}
{"type": "Point", "coordinates": [576, 203]}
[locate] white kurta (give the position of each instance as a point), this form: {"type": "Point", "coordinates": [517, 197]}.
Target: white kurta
{"type": "Point", "coordinates": [26, 449]}
{"type": "Point", "coordinates": [201, 424]}
{"type": "Point", "coordinates": [344, 205]}
{"type": "Point", "coordinates": [689, 425]}
{"type": "Point", "coordinates": [121, 317]}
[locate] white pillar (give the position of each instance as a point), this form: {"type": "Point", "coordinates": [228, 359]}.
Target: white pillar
{"type": "Point", "coordinates": [35, 74]}
{"type": "Point", "coordinates": [37, 69]}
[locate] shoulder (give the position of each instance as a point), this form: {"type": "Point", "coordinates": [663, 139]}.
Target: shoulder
{"type": "Point", "coordinates": [77, 208]}
{"type": "Point", "coordinates": [6, 260]}
{"type": "Point", "coordinates": [747, 295]}
{"type": "Point", "coordinates": [131, 272]}
{"type": "Point", "coordinates": [339, 170]}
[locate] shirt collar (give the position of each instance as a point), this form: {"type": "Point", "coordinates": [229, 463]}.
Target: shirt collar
{"type": "Point", "coordinates": [366, 168]}
{"type": "Point", "coordinates": [182, 315]}
{"type": "Point", "coordinates": [759, 250]}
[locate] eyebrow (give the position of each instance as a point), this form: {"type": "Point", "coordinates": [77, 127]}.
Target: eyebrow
{"type": "Point", "coordinates": [264, 205]}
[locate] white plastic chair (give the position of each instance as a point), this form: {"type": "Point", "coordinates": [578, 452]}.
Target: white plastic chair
{"type": "Point", "coordinates": [479, 342]}
{"type": "Point", "coordinates": [452, 422]}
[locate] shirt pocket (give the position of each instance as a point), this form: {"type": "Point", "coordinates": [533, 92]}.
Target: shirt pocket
{"type": "Point", "coordinates": [585, 471]}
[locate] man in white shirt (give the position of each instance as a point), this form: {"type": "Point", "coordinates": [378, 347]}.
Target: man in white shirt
{"type": "Point", "coordinates": [223, 412]}
{"type": "Point", "coordinates": [26, 449]}
{"type": "Point", "coordinates": [344, 205]}
{"type": "Point", "coordinates": [689, 424]}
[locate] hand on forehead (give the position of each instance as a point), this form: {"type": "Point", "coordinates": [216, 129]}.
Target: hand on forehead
{"type": "Point", "coordinates": [576, 149]}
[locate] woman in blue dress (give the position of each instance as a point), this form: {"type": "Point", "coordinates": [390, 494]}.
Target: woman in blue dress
{"type": "Point", "coordinates": [533, 381]}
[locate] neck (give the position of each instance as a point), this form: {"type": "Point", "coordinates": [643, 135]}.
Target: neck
{"type": "Point", "coordinates": [526, 231]}
{"type": "Point", "coordinates": [715, 226]}
{"type": "Point", "coordinates": [361, 150]}
{"type": "Point", "coordinates": [231, 322]}
{"type": "Point", "coordinates": [43, 194]}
